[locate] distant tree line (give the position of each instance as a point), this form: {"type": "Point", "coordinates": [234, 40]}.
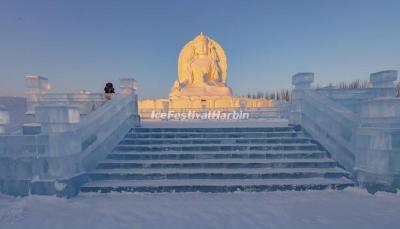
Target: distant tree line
{"type": "Point", "coordinates": [348, 85]}
{"type": "Point", "coordinates": [282, 95]}
{"type": "Point", "coordinates": [286, 94]}
{"type": "Point", "coordinates": [356, 84]}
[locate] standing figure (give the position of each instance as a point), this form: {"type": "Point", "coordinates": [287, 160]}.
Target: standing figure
{"type": "Point", "coordinates": [109, 90]}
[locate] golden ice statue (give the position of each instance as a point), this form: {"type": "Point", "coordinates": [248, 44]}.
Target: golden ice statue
{"type": "Point", "coordinates": [201, 84]}
{"type": "Point", "coordinates": [202, 69]}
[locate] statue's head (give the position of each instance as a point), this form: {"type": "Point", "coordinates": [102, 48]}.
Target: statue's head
{"type": "Point", "coordinates": [201, 45]}
{"type": "Point", "coordinates": [204, 51]}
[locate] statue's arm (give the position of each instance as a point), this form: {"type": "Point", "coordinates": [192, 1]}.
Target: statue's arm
{"type": "Point", "coordinates": [188, 74]}
{"type": "Point", "coordinates": [216, 72]}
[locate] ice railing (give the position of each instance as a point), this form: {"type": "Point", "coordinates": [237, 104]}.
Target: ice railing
{"type": "Point", "coordinates": [354, 124]}
{"type": "Point", "coordinates": [61, 146]}
{"type": "Point", "coordinates": [96, 126]}
{"type": "Point", "coordinates": [352, 98]}
{"type": "Point", "coordinates": [39, 93]}
{"type": "Point", "coordinates": [332, 124]}
{"type": "Point", "coordinates": [58, 127]}
{"type": "Point", "coordinates": [68, 97]}
{"type": "Point", "coordinates": [87, 102]}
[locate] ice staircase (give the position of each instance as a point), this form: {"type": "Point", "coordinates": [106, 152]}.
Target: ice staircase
{"type": "Point", "coordinates": [217, 160]}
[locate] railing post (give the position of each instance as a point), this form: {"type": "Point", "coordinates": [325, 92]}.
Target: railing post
{"type": "Point", "coordinates": [4, 119]}
{"type": "Point", "coordinates": [36, 86]}
{"type": "Point", "coordinates": [383, 79]}
{"type": "Point", "coordinates": [301, 83]}
{"type": "Point", "coordinates": [128, 86]}
{"type": "Point", "coordinates": [378, 138]}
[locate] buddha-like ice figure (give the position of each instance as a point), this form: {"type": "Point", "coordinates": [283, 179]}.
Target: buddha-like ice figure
{"type": "Point", "coordinates": [202, 69]}
{"type": "Point", "coordinates": [201, 83]}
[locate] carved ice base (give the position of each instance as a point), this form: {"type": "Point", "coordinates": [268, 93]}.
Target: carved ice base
{"type": "Point", "coordinates": [206, 90]}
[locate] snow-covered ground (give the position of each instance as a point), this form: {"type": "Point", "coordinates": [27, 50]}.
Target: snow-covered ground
{"type": "Point", "coordinates": [352, 208]}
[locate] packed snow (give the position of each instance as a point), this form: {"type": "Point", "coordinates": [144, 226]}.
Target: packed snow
{"type": "Point", "coordinates": [351, 208]}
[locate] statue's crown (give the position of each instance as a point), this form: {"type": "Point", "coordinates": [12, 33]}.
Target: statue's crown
{"type": "Point", "coordinates": [201, 37]}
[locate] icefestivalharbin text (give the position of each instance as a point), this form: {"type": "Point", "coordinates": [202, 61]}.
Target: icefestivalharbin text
{"type": "Point", "coordinates": [212, 115]}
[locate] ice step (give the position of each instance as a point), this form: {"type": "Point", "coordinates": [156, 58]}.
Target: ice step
{"type": "Point", "coordinates": [215, 173]}
{"type": "Point", "coordinates": [213, 130]}
{"type": "Point", "coordinates": [191, 141]}
{"type": "Point", "coordinates": [220, 163]}
{"type": "Point", "coordinates": [213, 147]}
{"type": "Point", "coordinates": [211, 185]}
{"type": "Point", "coordinates": [286, 134]}
{"type": "Point", "coordinates": [182, 155]}
{"type": "Point", "coordinates": [229, 160]}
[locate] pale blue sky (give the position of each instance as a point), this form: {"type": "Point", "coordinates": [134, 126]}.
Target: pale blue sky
{"type": "Point", "coordinates": [81, 44]}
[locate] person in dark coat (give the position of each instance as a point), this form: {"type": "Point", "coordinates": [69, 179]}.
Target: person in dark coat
{"type": "Point", "coordinates": [109, 90]}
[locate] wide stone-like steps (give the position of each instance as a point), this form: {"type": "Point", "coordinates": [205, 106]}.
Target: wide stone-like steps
{"type": "Point", "coordinates": [217, 160]}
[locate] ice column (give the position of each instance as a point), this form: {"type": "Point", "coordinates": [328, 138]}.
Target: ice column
{"type": "Point", "coordinates": [4, 119]}
{"type": "Point", "coordinates": [301, 82]}
{"type": "Point", "coordinates": [128, 86]}
{"type": "Point", "coordinates": [36, 86]}
{"type": "Point", "coordinates": [378, 141]}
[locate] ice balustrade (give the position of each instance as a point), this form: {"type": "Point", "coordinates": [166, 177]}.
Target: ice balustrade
{"type": "Point", "coordinates": [353, 98]}
{"type": "Point", "coordinates": [76, 138]}
{"type": "Point", "coordinates": [62, 145]}
{"type": "Point", "coordinates": [84, 101]}
{"type": "Point", "coordinates": [360, 128]}
{"type": "Point", "coordinates": [331, 124]}
{"type": "Point", "coordinates": [39, 93]}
